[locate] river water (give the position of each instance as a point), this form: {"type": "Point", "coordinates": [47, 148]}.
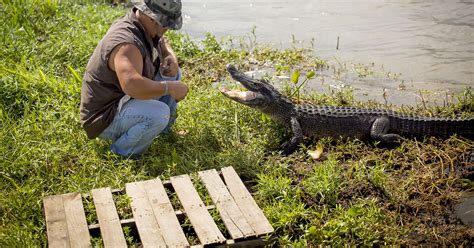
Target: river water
{"type": "Point", "coordinates": [388, 50]}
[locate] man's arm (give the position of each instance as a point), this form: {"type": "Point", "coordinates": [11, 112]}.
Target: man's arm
{"type": "Point", "coordinates": [127, 61]}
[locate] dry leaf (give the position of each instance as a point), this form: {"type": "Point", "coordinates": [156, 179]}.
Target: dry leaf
{"type": "Point", "coordinates": [316, 154]}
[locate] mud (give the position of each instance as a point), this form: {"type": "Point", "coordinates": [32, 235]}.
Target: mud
{"type": "Point", "coordinates": [425, 187]}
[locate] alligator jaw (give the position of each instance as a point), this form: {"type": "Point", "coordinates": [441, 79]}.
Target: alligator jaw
{"type": "Point", "coordinates": [261, 95]}
{"type": "Point", "coordinates": [244, 97]}
{"type": "Point", "coordinates": [253, 97]}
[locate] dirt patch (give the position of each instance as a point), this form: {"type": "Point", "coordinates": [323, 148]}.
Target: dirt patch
{"type": "Point", "coordinates": [421, 188]}
{"type": "Point", "coordinates": [360, 190]}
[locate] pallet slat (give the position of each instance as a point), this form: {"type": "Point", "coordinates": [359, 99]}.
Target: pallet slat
{"type": "Point", "coordinates": [145, 220]}
{"type": "Point", "coordinates": [246, 203]}
{"type": "Point", "coordinates": [164, 214]}
{"type": "Point", "coordinates": [232, 216]}
{"type": "Point", "coordinates": [110, 228]}
{"type": "Point", "coordinates": [56, 225]}
{"type": "Point", "coordinates": [206, 230]}
{"type": "Point", "coordinates": [76, 220]}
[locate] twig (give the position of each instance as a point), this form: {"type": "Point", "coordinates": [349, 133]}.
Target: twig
{"type": "Point", "coordinates": [423, 100]}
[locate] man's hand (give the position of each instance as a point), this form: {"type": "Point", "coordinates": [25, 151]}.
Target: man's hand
{"type": "Point", "coordinates": [169, 66]}
{"type": "Point", "coordinates": [177, 90]}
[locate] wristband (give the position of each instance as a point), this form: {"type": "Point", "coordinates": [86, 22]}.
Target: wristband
{"type": "Point", "coordinates": [166, 87]}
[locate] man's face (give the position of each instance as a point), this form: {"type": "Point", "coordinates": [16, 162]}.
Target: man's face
{"type": "Point", "coordinates": [160, 30]}
{"type": "Point", "coordinates": [154, 29]}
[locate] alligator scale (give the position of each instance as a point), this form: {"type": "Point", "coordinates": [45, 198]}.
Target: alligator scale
{"type": "Point", "coordinates": [319, 121]}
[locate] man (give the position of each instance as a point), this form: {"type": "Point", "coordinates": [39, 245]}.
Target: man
{"type": "Point", "coordinates": [132, 84]}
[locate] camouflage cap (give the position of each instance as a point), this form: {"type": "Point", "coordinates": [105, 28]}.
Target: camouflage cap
{"type": "Point", "coordinates": [166, 12]}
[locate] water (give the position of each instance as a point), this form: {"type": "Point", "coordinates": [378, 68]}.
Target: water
{"type": "Point", "coordinates": [408, 46]}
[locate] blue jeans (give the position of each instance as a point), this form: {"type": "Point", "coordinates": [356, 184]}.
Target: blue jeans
{"type": "Point", "coordinates": [139, 121]}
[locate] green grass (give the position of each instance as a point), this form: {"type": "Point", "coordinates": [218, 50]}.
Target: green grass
{"type": "Point", "coordinates": [356, 194]}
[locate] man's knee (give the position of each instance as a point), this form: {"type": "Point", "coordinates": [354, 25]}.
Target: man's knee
{"type": "Point", "coordinates": [159, 115]}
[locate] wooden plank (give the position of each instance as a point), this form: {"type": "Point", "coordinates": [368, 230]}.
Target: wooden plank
{"type": "Point", "coordinates": [76, 220]}
{"type": "Point", "coordinates": [145, 219]}
{"type": "Point", "coordinates": [110, 228]}
{"type": "Point", "coordinates": [164, 214]}
{"type": "Point", "coordinates": [56, 225]}
{"type": "Point", "coordinates": [206, 230]}
{"type": "Point", "coordinates": [246, 203]}
{"type": "Point", "coordinates": [232, 217]}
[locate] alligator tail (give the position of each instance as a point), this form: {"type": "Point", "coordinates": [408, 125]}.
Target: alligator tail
{"type": "Point", "coordinates": [428, 126]}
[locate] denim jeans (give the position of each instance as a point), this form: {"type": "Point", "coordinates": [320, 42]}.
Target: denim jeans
{"type": "Point", "coordinates": [139, 121]}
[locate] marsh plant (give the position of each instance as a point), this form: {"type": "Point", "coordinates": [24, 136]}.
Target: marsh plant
{"type": "Point", "coordinates": [295, 79]}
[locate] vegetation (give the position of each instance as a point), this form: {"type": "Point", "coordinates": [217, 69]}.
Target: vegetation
{"type": "Point", "coordinates": [355, 194]}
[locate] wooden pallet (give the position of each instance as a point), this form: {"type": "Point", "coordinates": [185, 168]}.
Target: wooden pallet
{"type": "Point", "coordinates": [154, 218]}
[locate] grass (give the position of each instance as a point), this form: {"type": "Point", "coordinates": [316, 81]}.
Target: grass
{"type": "Point", "coordinates": [357, 194]}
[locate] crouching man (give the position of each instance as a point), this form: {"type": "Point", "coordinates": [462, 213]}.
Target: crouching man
{"type": "Point", "coordinates": [132, 81]}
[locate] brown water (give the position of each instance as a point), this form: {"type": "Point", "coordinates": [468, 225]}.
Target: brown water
{"type": "Point", "coordinates": [405, 47]}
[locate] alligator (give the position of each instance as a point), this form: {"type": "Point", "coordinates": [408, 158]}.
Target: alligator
{"type": "Point", "coordinates": [318, 121]}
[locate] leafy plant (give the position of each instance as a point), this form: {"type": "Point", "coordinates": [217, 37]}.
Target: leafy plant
{"type": "Point", "coordinates": [295, 78]}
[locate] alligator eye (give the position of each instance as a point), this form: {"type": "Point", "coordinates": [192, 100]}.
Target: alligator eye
{"type": "Point", "coordinates": [257, 86]}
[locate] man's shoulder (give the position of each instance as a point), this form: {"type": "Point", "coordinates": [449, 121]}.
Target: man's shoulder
{"type": "Point", "coordinates": [123, 32]}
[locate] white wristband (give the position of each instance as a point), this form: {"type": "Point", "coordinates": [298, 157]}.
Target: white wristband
{"type": "Point", "coordinates": [166, 87]}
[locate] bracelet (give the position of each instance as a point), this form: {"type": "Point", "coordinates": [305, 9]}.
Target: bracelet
{"type": "Point", "coordinates": [166, 87]}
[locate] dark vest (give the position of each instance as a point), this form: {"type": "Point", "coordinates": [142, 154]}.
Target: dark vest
{"type": "Point", "coordinates": [101, 90]}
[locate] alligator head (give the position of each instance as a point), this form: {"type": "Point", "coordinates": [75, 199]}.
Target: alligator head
{"type": "Point", "coordinates": [261, 94]}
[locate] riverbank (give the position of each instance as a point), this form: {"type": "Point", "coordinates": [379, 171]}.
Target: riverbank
{"type": "Point", "coordinates": [356, 193]}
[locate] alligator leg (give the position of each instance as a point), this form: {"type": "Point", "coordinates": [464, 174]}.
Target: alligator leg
{"type": "Point", "coordinates": [379, 132]}
{"type": "Point", "coordinates": [297, 138]}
